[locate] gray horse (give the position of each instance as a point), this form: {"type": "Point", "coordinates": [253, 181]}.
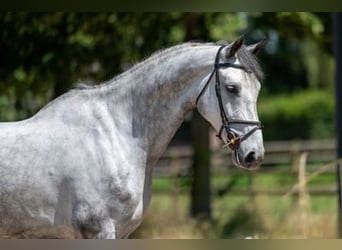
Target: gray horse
{"type": "Point", "coordinates": [86, 158]}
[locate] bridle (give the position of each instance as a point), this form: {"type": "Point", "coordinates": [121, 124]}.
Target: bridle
{"type": "Point", "coordinates": [233, 139]}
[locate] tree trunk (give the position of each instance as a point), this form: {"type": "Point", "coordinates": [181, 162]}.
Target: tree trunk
{"type": "Point", "coordinates": [200, 190]}
{"type": "Point", "coordinates": [337, 21]}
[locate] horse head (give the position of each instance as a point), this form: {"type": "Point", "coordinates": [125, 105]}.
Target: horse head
{"type": "Point", "coordinates": [228, 100]}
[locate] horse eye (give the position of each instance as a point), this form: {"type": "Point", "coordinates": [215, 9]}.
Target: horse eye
{"type": "Point", "coordinates": [233, 89]}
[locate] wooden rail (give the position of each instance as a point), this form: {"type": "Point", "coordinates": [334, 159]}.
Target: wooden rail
{"type": "Point", "coordinates": [278, 157]}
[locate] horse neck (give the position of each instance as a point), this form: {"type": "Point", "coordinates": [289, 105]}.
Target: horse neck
{"type": "Point", "coordinates": [163, 91]}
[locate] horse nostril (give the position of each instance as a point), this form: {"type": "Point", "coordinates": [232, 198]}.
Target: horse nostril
{"type": "Point", "coordinates": [250, 158]}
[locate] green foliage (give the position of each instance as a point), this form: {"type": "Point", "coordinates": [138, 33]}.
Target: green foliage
{"type": "Point", "coordinates": [298, 54]}
{"type": "Point", "coordinates": [294, 25]}
{"type": "Point", "coordinates": [44, 54]}
{"type": "Point", "coordinates": [303, 115]}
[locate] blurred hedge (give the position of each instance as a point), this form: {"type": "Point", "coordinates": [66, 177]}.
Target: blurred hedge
{"type": "Point", "coordinates": [303, 115]}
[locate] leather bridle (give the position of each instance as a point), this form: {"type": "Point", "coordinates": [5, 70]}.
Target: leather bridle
{"type": "Point", "coordinates": [233, 139]}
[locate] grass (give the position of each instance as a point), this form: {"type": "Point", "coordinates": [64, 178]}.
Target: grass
{"type": "Point", "coordinates": [241, 180]}
{"type": "Point", "coordinates": [240, 216]}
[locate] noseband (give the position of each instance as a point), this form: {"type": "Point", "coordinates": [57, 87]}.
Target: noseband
{"type": "Point", "coordinates": [233, 139]}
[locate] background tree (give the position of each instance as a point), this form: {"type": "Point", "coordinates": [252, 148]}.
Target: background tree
{"type": "Point", "coordinates": [200, 189]}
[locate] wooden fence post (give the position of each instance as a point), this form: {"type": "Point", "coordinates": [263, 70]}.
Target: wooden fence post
{"type": "Point", "coordinates": [295, 163]}
{"type": "Point", "coordinates": [303, 195]}
{"type": "Point", "coordinates": [295, 156]}
{"type": "Point", "coordinates": [175, 188]}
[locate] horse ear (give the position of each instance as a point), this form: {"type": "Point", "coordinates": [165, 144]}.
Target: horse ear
{"type": "Point", "coordinates": [257, 47]}
{"type": "Point", "coordinates": [236, 45]}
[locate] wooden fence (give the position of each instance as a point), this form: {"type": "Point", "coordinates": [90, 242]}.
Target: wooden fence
{"type": "Point", "coordinates": [278, 157]}
{"type": "Point", "coordinates": [281, 157]}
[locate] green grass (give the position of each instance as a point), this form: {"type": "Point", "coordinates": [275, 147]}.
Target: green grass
{"type": "Point", "coordinates": [260, 180]}
{"type": "Point", "coordinates": [323, 204]}
{"type": "Point", "coordinates": [237, 216]}
{"type": "Point", "coordinates": [327, 178]}
{"type": "Point", "coordinates": [240, 216]}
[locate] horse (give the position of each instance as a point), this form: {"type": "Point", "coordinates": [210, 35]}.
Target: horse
{"type": "Point", "coordinates": [86, 158]}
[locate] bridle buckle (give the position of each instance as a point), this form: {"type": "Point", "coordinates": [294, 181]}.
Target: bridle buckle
{"type": "Point", "coordinates": [233, 140]}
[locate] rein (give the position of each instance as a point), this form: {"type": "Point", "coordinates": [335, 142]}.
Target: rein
{"type": "Point", "coordinates": [233, 139]}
